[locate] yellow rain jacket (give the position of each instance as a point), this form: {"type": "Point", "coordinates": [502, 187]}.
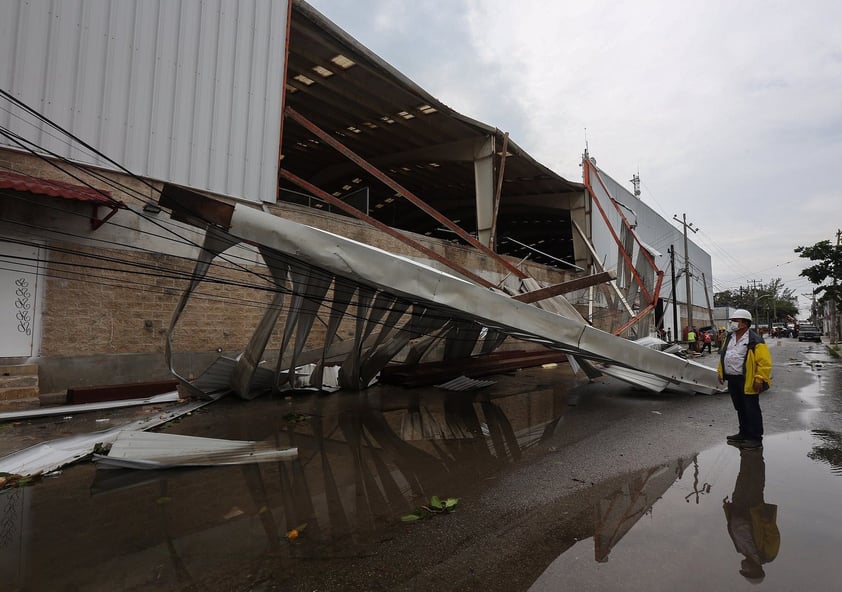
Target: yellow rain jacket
{"type": "Point", "coordinates": [758, 362]}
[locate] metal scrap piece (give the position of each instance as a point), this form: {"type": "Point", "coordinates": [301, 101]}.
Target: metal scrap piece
{"type": "Point", "coordinates": [52, 455]}
{"type": "Point", "coordinates": [153, 450]}
{"type": "Point", "coordinates": [84, 407]}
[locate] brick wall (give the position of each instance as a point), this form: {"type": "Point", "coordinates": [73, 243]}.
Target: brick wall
{"type": "Point", "coordinates": [112, 291]}
{"type": "Point", "coordinates": [110, 301]}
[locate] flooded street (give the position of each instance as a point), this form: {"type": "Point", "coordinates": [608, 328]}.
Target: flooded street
{"type": "Point", "coordinates": [562, 485]}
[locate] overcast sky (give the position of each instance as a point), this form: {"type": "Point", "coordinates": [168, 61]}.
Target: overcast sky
{"type": "Point", "coordinates": [731, 111]}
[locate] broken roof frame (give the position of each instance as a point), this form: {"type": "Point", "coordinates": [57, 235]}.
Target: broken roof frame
{"type": "Point", "coordinates": [343, 129]}
{"type": "Point", "coordinates": [319, 257]}
{"type": "Point", "coordinates": [403, 237]}
{"type": "Point", "coordinates": [590, 172]}
{"type": "Point", "coordinates": [357, 102]}
{"type": "Point", "coordinates": [401, 191]}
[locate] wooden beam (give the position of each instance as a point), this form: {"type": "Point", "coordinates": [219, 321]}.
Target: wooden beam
{"type": "Point", "coordinates": [565, 287]}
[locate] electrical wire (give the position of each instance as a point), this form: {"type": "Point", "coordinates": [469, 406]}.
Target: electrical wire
{"type": "Point", "coordinates": [144, 270]}
{"type": "Point", "coordinates": [68, 270]}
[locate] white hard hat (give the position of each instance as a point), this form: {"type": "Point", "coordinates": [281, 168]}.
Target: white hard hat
{"type": "Point", "coordinates": [742, 313]}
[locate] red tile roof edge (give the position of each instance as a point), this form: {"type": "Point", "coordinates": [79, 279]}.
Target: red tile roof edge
{"type": "Point", "coordinates": [40, 186]}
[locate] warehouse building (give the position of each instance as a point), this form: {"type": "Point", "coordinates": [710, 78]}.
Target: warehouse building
{"type": "Point", "coordinates": [269, 104]}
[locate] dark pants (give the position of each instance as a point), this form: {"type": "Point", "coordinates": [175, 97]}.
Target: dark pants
{"type": "Point", "coordinates": [747, 406]}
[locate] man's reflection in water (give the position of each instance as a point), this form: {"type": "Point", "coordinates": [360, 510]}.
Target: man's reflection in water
{"type": "Point", "coordinates": [752, 523]}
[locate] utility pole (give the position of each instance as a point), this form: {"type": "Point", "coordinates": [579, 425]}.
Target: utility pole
{"type": "Point", "coordinates": [812, 307]}
{"type": "Point", "coordinates": [834, 321]}
{"type": "Point", "coordinates": [687, 225]}
{"type": "Point", "coordinates": [707, 300]}
{"type": "Point", "coordinates": [635, 181]}
{"type": "Point", "coordinates": [756, 298]}
{"type": "Point", "coordinates": [674, 294]}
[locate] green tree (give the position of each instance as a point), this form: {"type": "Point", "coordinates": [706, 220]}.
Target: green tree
{"type": "Point", "coordinates": [771, 302]}
{"type": "Point", "coordinates": [825, 274]}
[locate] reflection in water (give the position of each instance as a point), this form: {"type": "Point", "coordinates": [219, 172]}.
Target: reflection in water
{"type": "Point", "coordinates": [362, 464]}
{"type": "Point", "coordinates": [364, 461]}
{"type": "Point", "coordinates": [752, 523]}
{"type": "Point", "coordinates": [699, 489]}
{"type": "Point", "coordinates": [830, 450]}
{"type": "Point", "coordinates": [12, 508]}
{"type": "Point", "coordinates": [616, 514]}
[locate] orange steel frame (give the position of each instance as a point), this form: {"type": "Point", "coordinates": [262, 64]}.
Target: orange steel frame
{"type": "Point", "coordinates": [321, 194]}
{"type": "Point", "coordinates": [398, 188]}
{"type": "Point", "coordinates": [651, 299]}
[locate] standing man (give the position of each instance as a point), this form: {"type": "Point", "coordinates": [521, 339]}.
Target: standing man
{"type": "Point", "coordinates": [707, 342]}
{"type": "Point", "coordinates": [746, 365]}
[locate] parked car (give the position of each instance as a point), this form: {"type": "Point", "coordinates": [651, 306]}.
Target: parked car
{"type": "Point", "coordinates": [809, 333]}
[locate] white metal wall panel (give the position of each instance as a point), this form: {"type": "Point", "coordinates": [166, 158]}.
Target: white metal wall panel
{"type": "Point", "coordinates": [186, 91]}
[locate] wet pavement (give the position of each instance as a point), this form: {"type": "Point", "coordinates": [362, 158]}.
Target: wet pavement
{"type": "Point", "coordinates": [562, 485]}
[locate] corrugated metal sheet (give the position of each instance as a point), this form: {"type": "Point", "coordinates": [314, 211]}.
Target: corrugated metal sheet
{"type": "Point", "coordinates": [147, 450]}
{"type": "Point", "coordinates": [187, 91]}
{"type": "Point", "coordinates": [54, 454]}
{"type": "Point", "coordinates": [85, 407]}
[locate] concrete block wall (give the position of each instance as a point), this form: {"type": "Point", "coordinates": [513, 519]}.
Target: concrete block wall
{"type": "Point", "coordinates": [18, 381]}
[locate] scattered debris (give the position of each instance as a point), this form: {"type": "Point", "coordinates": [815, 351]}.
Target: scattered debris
{"type": "Point", "coordinates": [154, 450]}
{"type": "Point", "coordinates": [463, 383]}
{"type": "Point", "coordinates": [117, 392]}
{"type": "Point", "coordinates": [436, 506]}
{"type": "Point", "coordinates": [295, 532]}
{"type": "Point", "coordinates": [643, 379]}
{"type": "Point", "coordinates": [8, 480]}
{"type": "Point", "coordinates": [233, 513]}
{"type": "Point", "coordinates": [83, 407]}
{"type": "Point", "coordinates": [295, 418]}
{"type": "Point", "coordinates": [52, 455]}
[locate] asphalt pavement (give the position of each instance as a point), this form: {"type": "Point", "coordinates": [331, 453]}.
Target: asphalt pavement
{"type": "Point", "coordinates": [563, 484]}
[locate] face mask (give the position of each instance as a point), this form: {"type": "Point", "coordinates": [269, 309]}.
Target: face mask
{"type": "Point", "coordinates": [733, 326]}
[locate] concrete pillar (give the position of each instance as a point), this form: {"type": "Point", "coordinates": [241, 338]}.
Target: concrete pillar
{"type": "Point", "coordinates": [484, 188]}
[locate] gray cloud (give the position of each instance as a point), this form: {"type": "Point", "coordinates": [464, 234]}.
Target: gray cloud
{"type": "Point", "coordinates": [731, 111]}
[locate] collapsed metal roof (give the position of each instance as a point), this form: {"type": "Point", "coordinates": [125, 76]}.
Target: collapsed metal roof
{"type": "Point", "coordinates": [392, 301]}
{"type": "Point", "coordinates": [382, 116]}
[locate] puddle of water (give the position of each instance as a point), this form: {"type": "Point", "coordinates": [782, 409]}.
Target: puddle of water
{"type": "Point", "coordinates": [682, 542]}
{"type": "Point", "coordinates": [367, 459]}
{"type": "Point", "coordinates": [364, 461]}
